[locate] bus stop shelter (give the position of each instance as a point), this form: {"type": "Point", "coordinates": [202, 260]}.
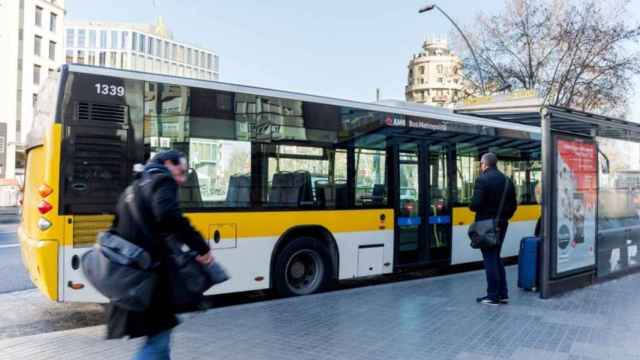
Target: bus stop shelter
{"type": "Point", "coordinates": [590, 195]}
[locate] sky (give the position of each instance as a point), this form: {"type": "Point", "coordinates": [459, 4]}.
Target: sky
{"type": "Point", "coordinates": [343, 49]}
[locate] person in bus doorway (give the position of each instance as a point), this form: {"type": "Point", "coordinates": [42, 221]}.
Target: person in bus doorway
{"type": "Point", "coordinates": [487, 194]}
{"type": "Point", "coordinates": [158, 217]}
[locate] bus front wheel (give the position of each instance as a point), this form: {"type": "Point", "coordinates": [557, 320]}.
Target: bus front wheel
{"type": "Point", "coordinates": [303, 267]}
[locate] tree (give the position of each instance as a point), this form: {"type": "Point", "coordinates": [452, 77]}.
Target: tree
{"type": "Point", "coordinates": [576, 53]}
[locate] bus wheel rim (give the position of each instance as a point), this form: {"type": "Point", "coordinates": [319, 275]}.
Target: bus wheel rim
{"type": "Point", "coordinates": [304, 272]}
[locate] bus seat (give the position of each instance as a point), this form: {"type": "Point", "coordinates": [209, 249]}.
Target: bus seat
{"type": "Point", "coordinates": [341, 198]}
{"type": "Point", "coordinates": [321, 188]}
{"type": "Point", "coordinates": [291, 189]}
{"type": "Point", "coordinates": [239, 191]}
{"type": "Point", "coordinates": [377, 195]}
{"type": "Point", "coordinates": [189, 193]}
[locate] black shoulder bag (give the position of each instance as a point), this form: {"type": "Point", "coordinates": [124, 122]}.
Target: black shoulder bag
{"type": "Point", "coordinates": [484, 234]}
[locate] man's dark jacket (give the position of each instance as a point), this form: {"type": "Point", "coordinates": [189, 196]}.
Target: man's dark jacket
{"type": "Point", "coordinates": [157, 199]}
{"type": "Point", "coordinates": [487, 194]}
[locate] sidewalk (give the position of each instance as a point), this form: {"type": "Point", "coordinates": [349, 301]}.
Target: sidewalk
{"type": "Point", "coordinates": [434, 318]}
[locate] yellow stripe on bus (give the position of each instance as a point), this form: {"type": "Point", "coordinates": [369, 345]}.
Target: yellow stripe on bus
{"type": "Point", "coordinates": [274, 224]}
{"type": "Point", "coordinates": [464, 216]}
{"type": "Point", "coordinates": [251, 224]}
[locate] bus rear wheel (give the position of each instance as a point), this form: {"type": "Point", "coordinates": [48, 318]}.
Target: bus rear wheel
{"type": "Point", "coordinates": [303, 267]}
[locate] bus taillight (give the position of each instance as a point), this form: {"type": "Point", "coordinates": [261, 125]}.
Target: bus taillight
{"type": "Point", "coordinates": [43, 224]}
{"type": "Point", "coordinates": [44, 190]}
{"type": "Point", "coordinates": [44, 207]}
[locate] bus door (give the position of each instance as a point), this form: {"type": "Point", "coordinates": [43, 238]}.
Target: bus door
{"type": "Point", "coordinates": [423, 215]}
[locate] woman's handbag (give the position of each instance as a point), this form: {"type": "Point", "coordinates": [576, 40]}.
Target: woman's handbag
{"type": "Point", "coordinates": [484, 234]}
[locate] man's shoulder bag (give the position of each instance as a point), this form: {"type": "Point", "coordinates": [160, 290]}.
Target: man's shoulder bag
{"type": "Point", "coordinates": [120, 270]}
{"type": "Point", "coordinates": [484, 234]}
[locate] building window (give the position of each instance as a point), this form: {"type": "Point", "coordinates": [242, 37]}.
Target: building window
{"type": "Point", "coordinates": [181, 54]}
{"type": "Point", "coordinates": [36, 74]}
{"type": "Point", "coordinates": [37, 45]}
{"type": "Point", "coordinates": [69, 56]}
{"type": "Point", "coordinates": [174, 52]}
{"type": "Point", "coordinates": [421, 70]}
{"type": "Point", "coordinates": [123, 60]}
{"type": "Point", "coordinates": [202, 57]}
{"type": "Point", "coordinates": [113, 58]}
{"type": "Point", "coordinates": [80, 59]}
{"type": "Point", "coordinates": [141, 41]}
{"type": "Point", "coordinates": [125, 40]}
{"type": "Point", "coordinates": [150, 46]}
{"type": "Point", "coordinates": [92, 39]}
{"type": "Point", "coordinates": [209, 62]}
{"type": "Point", "coordinates": [81, 38]}
{"type": "Point", "coordinates": [134, 41]}
{"type": "Point", "coordinates": [53, 22]}
{"type": "Point", "coordinates": [196, 57]}
{"type": "Point", "coordinates": [114, 39]}
{"type": "Point", "coordinates": [102, 57]}
{"type": "Point", "coordinates": [440, 69]}
{"type": "Point", "coordinates": [70, 37]}
{"type": "Point", "coordinates": [38, 16]}
{"type": "Point", "coordinates": [52, 50]}
{"type": "Point", "coordinates": [158, 47]}
{"type": "Point", "coordinates": [189, 59]}
{"type": "Point", "coordinates": [92, 58]}
{"type": "Point", "coordinates": [103, 39]}
{"type": "Point", "coordinates": [167, 50]}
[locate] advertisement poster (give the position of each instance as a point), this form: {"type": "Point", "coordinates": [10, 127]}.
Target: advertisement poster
{"type": "Point", "coordinates": [576, 204]}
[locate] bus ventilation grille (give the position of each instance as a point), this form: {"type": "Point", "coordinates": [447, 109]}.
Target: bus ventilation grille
{"type": "Point", "coordinates": [101, 112]}
{"type": "Point", "coordinates": [87, 227]}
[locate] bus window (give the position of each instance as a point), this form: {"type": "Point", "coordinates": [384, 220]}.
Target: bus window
{"type": "Point", "coordinates": [200, 123]}
{"type": "Point", "coordinates": [468, 170]}
{"type": "Point", "coordinates": [307, 176]}
{"type": "Point", "coordinates": [371, 186]}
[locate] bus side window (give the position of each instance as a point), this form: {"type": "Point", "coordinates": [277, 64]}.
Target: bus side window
{"type": "Point", "coordinates": [371, 187]}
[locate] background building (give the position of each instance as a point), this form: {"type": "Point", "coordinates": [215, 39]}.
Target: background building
{"type": "Point", "coordinates": [435, 75]}
{"type": "Point", "coordinates": [31, 35]}
{"type": "Point", "coordinates": [149, 48]}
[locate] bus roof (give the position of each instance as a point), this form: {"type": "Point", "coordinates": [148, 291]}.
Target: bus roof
{"type": "Point", "coordinates": [395, 107]}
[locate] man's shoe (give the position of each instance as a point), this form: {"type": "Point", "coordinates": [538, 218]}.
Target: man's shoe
{"type": "Point", "coordinates": [487, 301]}
{"type": "Point", "coordinates": [504, 301]}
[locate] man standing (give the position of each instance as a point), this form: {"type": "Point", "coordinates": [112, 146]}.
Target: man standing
{"type": "Point", "coordinates": [487, 195]}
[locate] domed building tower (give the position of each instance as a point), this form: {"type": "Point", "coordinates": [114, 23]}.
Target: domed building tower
{"type": "Point", "coordinates": [435, 75]}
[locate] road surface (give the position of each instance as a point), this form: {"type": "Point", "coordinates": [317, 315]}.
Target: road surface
{"type": "Point", "coordinates": [13, 276]}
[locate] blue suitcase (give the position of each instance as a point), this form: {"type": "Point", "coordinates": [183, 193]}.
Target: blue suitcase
{"type": "Point", "coordinates": [528, 263]}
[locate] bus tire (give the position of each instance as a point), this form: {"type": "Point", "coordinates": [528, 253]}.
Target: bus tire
{"type": "Point", "coordinates": [303, 267]}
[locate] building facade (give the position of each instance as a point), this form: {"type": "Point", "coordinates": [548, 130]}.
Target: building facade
{"type": "Point", "coordinates": [31, 38]}
{"type": "Point", "coordinates": [435, 76]}
{"type": "Point", "coordinates": [149, 48]}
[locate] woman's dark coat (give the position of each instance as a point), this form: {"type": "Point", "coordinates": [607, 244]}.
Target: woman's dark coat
{"type": "Point", "coordinates": [156, 195]}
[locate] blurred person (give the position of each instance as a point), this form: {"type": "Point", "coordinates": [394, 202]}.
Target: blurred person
{"type": "Point", "coordinates": [156, 200]}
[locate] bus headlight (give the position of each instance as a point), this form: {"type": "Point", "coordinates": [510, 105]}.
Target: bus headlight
{"type": "Point", "coordinates": [43, 224]}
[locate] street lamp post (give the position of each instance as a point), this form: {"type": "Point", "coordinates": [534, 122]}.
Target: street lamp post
{"type": "Point", "coordinates": [434, 6]}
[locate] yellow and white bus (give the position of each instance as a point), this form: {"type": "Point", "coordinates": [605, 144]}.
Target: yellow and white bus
{"type": "Point", "coordinates": [292, 191]}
